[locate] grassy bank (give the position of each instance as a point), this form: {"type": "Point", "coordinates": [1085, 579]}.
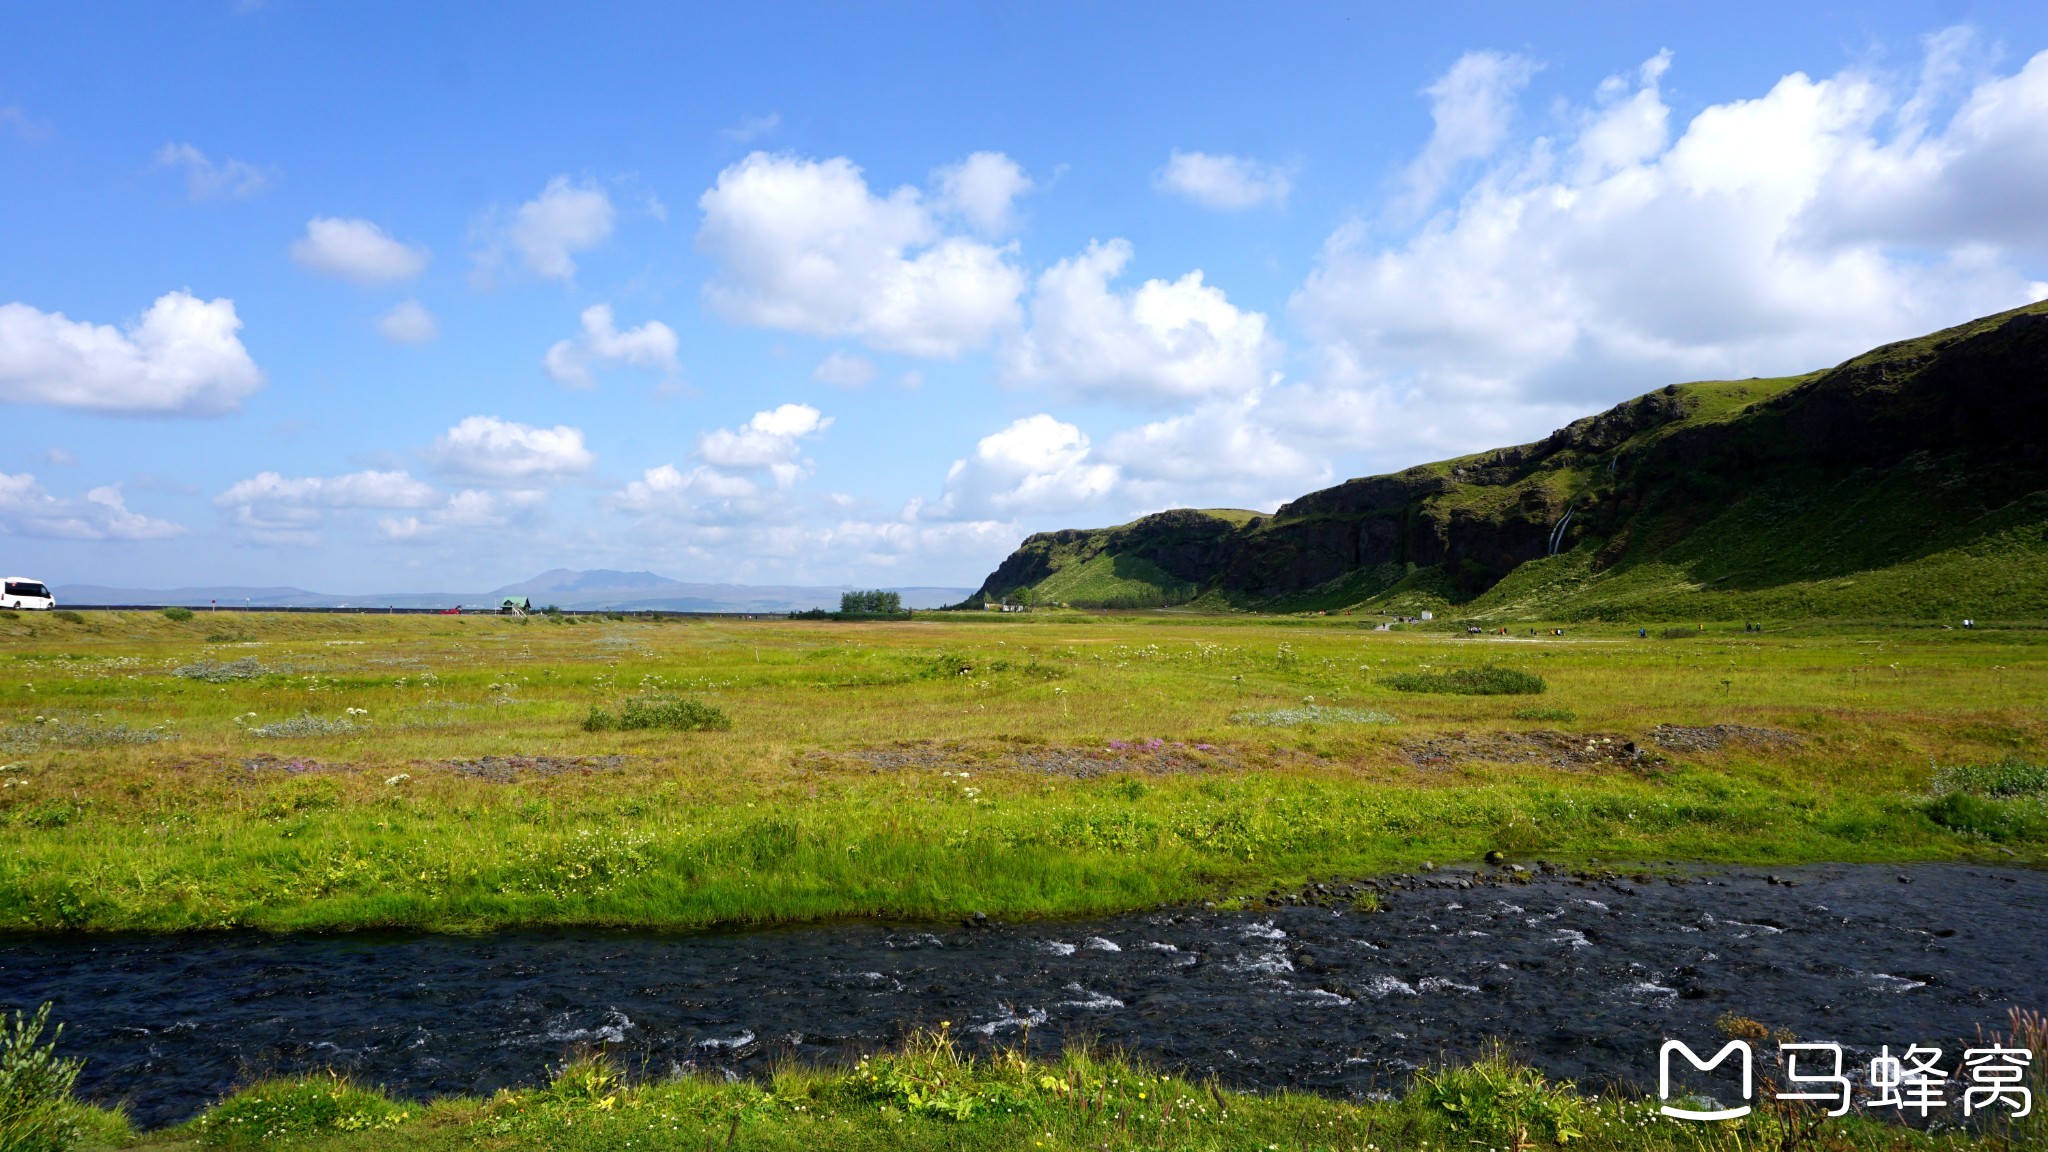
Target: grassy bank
{"type": "Point", "coordinates": [292, 771]}
{"type": "Point", "coordinates": [931, 1096]}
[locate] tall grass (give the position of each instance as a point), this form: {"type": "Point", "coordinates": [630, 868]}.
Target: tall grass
{"type": "Point", "coordinates": [928, 1094]}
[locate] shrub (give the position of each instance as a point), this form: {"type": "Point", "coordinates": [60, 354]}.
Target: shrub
{"type": "Point", "coordinates": [177, 614]}
{"type": "Point", "coordinates": [36, 1112]}
{"type": "Point", "coordinates": [1678, 633]}
{"type": "Point", "coordinates": [1486, 681]}
{"type": "Point", "coordinates": [1502, 1102]}
{"type": "Point", "coordinates": [669, 713]}
{"type": "Point", "coordinates": [68, 616]}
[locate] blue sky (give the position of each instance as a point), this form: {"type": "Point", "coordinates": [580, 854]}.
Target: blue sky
{"type": "Point", "coordinates": [401, 297]}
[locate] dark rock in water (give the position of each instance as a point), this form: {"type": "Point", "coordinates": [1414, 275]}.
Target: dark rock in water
{"type": "Point", "coordinates": [1583, 980]}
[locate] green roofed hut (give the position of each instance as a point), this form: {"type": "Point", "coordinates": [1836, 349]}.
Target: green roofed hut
{"type": "Point", "coordinates": [515, 606]}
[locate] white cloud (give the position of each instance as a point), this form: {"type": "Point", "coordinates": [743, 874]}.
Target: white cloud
{"type": "Point", "coordinates": [505, 454]}
{"type": "Point", "coordinates": [275, 509]}
{"type": "Point", "coordinates": [1226, 452]}
{"type": "Point", "coordinates": [548, 231]}
{"type": "Point", "coordinates": [771, 440]}
{"type": "Point", "coordinates": [1036, 465]}
{"type": "Point", "coordinates": [1168, 340]}
{"type": "Point", "coordinates": [1227, 183]}
{"type": "Point", "coordinates": [367, 489]}
{"type": "Point", "coordinates": [59, 458]}
{"type": "Point", "coordinates": [651, 345]}
{"type": "Point", "coordinates": [470, 508]}
{"type": "Point", "coordinates": [205, 178]}
{"type": "Point", "coordinates": [26, 509]}
{"type": "Point", "coordinates": [744, 471]}
{"type": "Point", "coordinates": [1472, 105]}
{"type": "Point", "coordinates": [23, 125]}
{"type": "Point", "coordinates": [804, 246]}
{"type": "Point", "coordinates": [1774, 234]}
{"type": "Point", "coordinates": [181, 358]}
{"type": "Point", "coordinates": [409, 323]}
{"type": "Point", "coordinates": [356, 250]}
{"type": "Point", "coordinates": [752, 128]}
{"type": "Point", "coordinates": [982, 188]}
{"type": "Point", "coordinates": [845, 370]}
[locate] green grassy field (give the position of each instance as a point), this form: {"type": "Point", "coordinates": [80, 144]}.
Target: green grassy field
{"type": "Point", "coordinates": [291, 771]}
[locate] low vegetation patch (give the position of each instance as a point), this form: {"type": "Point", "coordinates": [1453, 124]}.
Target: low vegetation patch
{"type": "Point", "coordinates": [667, 713]}
{"type": "Point", "coordinates": [219, 672]}
{"type": "Point", "coordinates": [1547, 715]}
{"type": "Point", "coordinates": [305, 724]}
{"type": "Point", "coordinates": [1312, 714]}
{"type": "Point", "coordinates": [178, 615]}
{"type": "Point", "coordinates": [283, 1112]}
{"type": "Point", "coordinates": [2003, 801]}
{"type": "Point", "coordinates": [66, 732]}
{"type": "Point", "coordinates": [1485, 681]}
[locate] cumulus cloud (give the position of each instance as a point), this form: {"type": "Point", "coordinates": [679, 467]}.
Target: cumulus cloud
{"type": "Point", "coordinates": [742, 469]}
{"type": "Point", "coordinates": [1227, 451]}
{"type": "Point", "coordinates": [1773, 234]}
{"type": "Point", "coordinates": [1168, 340]}
{"type": "Point", "coordinates": [470, 508]}
{"type": "Point", "coordinates": [804, 246]}
{"type": "Point", "coordinates": [845, 370]}
{"type": "Point", "coordinates": [1036, 465]}
{"type": "Point", "coordinates": [206, 178]}
{"type": "Point", "coordinates": [409, 323]}
{"type": "Point", "coordinates": [502, 453]}
{"type": "Point", "coordinates": [27, 509]}
{"type": "Point", "coordinates": [1226, 183]}
{"type": "Point", "coordinates": [547, 232]}
{"type": "Point", "coordinates": [277, 509]}
{"type": "Point", "coordinates": [357, 251]}
{"type": "Point", "coordinates": [982, 188]}
{"type": "Point", "coordinates": [182, 357]}
{"type": "Point", "coordinates": [1472, 105]}
{"type": "Point", "coordinates": [651, 345]}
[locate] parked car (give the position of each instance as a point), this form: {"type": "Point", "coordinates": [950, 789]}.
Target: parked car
{"type": "Point", "coordinates": [22, 592]}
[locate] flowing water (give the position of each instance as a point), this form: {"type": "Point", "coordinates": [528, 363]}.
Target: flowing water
{"type": "Point", "coordinates": [1583, 977]}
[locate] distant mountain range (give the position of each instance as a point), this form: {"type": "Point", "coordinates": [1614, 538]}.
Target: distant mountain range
{"type": "Point", "coordinates": [563, 587]}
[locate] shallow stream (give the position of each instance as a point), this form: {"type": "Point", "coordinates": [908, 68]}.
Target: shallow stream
{"type": "Point", "coordinates": [1584, 977]}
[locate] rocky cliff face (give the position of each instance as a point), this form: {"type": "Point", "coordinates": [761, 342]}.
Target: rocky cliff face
{"type": "Point", "coordinates": [1976, 394]}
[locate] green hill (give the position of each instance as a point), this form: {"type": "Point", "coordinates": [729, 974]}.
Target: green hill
{"type": "Point", "coordinates": [1910, 482]}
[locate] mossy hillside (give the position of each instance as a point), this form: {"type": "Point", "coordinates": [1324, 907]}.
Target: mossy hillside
{"type": "Point", "coordinates": [1107, 580]}
{"type": "Point", "coordinates": [147, 798]}
{"type": "Point", "coordinates": [1715, 499]}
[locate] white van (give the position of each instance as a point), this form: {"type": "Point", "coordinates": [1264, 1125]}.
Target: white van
{"type": "Point", "coordinates": [22, 592]}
